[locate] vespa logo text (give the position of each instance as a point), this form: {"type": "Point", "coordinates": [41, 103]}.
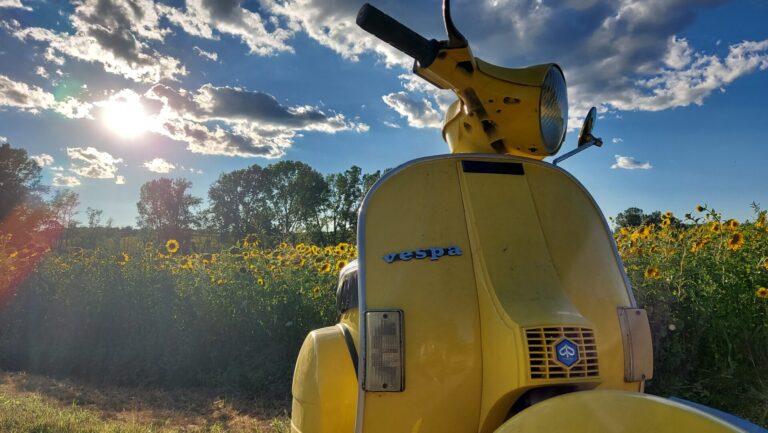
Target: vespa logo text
{"type": "Point", "coordinates": [433, 253]}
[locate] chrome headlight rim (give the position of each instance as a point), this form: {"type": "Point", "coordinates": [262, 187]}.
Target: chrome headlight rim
{"type": "Point", "coordinates": [553, 110]}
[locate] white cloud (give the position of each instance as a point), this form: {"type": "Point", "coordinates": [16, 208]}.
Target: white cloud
{"type": "Point", "coordinates": [390, 124]}
{"type": "Point", "coordinates": [617, 140]}
{"type": "Point", "coordinates": [419, 112]}
{"type": "Point", "coordinates": [43, 160]}
{"type": "Point", "coordinates": [114, 33]}
{"type": "Point", "coordinates": [3, 140]}
{"type": "Point", "coordinates": [332, 24]}
{"type": "Point", "coordinates": [33, 99]}
{"type": "Point", "coordinates": [60, 179]}
{"type": "Point", "coordinates": [237, 122]}
{"type": "Point", "coordinates": [89, 162]}
{"type": "Point", "coordinates": [630, 163]}
{"type": "Point", "coordinates": [14, 4]}
{"type": "Point", "coordinates": [678, 53]}
{"type": "Point", "coordinates": [24, 97]}
{"type": "Point", "coordinates": [203, 17]}
{"type": "Point", "coordinates": [192, 170]}
{"type": "Point", "coordinates": [159, 165]}
{"type": "Point", "coordinates": [690, 84]}
{"type": "Point", "coordinates": [206, 54]}
{"type": "Point", "coordinates": [42, 72]}
{"type": "Point", "coordinates": [74, 108]}
{"type": "Point", "coordinates": [120, 180]}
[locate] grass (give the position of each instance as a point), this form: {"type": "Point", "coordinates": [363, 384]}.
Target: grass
{"type": "Point", "coordinates": [38, 404]}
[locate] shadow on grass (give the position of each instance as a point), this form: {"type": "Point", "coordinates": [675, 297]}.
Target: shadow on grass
{"type": "Point", "coordinates": [185, 408]}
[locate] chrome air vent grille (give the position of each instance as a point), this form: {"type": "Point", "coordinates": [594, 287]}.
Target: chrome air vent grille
{"type": "Point", "coordinates": [543, 344]}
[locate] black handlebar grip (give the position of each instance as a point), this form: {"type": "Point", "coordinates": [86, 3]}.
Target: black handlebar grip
{"type": "Point", "coordinates": [393, 32]}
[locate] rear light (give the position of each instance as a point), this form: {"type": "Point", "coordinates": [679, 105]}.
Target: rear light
{"type": "Point", "coordinates": [384, 351]}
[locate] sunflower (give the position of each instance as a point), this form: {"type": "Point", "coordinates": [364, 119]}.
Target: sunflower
{"type": "Point", "coordinates": [260, 281]}
{"type": "Point", "coordinates": [316, 291]}
{"type": "Point", "coordinates": [123, 258]}
{"type": "Point", "coordinates": [765, 264]}
{"type": "Point", "coordinates": [760, 223]}
{"type": "Point", "coordinates": [172, 245]}
{"type": "Point", "coordinates": [251, 240]}
{"type": "Point", "coordinates": [668, 214]}
{"type": "Point", "coordinates": [735, 242]}
{"type": "Point", "coordinates": [647, 231]}
{"type": "Point", "coordinates": [652, 273]}
{"type": "Point", "coordinates": [700, 208]}
{"type": "Point", "coordinates": [762, 292]}
{"type": "Point", "coordinates": [340, 264]}
{"type": "Point", "coordinates": [732, 224]}
{"type": "Point", "coordinates": [325, 268]}
{"type": "Point", "coordinates": [186, 263]}
{"type": "Point", "coordinates": [715, 227]}
{"type": "Point", "coordinates": [665, 222]}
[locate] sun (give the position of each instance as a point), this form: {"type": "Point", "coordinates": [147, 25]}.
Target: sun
{"type": "Point", "coordinates": [126, 117]}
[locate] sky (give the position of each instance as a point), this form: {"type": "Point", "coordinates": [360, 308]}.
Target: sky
{"type": "Point", "coordinates": [109, 94]}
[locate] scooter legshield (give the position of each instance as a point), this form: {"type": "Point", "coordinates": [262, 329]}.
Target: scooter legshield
{"type": "Point", "coordinates": [614, 411]}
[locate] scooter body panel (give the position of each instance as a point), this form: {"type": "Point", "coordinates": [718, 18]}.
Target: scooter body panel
{"type": "Point", "coordinates": [614, 411]}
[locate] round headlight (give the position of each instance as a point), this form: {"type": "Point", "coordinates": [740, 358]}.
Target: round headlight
{"type": "Point", "coordinates": [553, 110]}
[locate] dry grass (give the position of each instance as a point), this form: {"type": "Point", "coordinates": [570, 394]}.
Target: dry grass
{"type": "Point", "coordinates": [31, 403]}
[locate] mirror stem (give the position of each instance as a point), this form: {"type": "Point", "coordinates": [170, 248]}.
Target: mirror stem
{"type": "Point", "coordinates": [594, 141]}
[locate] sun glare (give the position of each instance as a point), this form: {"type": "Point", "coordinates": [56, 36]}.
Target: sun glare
{"type": "Point", "coordinates": [126, 118]}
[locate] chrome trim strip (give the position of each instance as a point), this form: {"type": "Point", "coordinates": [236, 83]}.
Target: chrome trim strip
{"type": "Point", "coordinates": [363, 306]}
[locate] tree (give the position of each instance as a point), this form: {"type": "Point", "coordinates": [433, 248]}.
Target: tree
{"type": "Point", "coordinates": [63, 205]}
{"type": "Point", "coordinates": [634, 217]}
{"type": "Point", "coordinates": [345, 191]}
{"type": "Point", "coordinates": [19, 179]}
{"type": "Point", "coordinates": [167, 209]}
{"type": "Point", "coordinates": [94, 217]}
{"type": "Point", "coordinates": [239, 204]}
{"type": "Point", "coordinates": [294, 197]}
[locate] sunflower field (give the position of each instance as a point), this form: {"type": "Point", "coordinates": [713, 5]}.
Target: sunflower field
{"type": "Point", "coordinates": [236, 318]}
{"type": "Point", "coordinates": [704, 282]}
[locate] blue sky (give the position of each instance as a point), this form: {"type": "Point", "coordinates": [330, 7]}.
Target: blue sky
{"type": "Point", "coordinates": [109, 94]}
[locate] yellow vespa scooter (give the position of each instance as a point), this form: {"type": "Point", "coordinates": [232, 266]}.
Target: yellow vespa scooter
{"type": "Point", "coordinates": [488, 295]}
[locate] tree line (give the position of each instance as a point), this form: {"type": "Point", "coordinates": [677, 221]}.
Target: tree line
{"type": "Point", "coordinates": [286, 201]}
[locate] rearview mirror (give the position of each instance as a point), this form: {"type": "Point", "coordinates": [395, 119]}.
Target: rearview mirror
{"type": "Point", "coordinates": [585, 135]}
{"type": "Point", "coordinates": [586, 139]}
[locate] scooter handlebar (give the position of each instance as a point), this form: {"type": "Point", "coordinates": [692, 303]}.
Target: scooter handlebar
{"type": "Point", "coordinates": [393, 32]}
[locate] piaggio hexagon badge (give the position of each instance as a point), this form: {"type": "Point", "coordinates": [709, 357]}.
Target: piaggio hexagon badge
{"type": "Point", "coordinates": [566, 352]}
